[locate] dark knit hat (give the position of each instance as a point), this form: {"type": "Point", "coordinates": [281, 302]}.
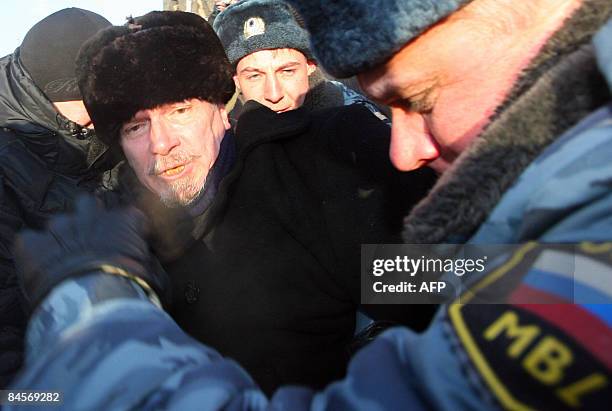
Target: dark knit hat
{"type": "Point", "coordinates": [162, 57]}
{"type": "Point", "coordinates": [350, 36]}
{"type": "Point", "coordinates": [50, 47]}
{"type": "Point", "coordinates": [252, 25]}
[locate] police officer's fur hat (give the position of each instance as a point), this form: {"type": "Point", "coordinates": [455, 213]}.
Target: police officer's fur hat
{"type": "Point", "coordinates": [353, 35]}
{"type": "Point", "coordinates": [252, 25]}
{"type": "Point", "coordinates": [159, 58]}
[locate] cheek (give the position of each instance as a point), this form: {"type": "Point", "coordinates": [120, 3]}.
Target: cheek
{"type": "Point", "coordinates": [304, 85]}
{"type": "Point", "coordinates": [132, 153]}
{"type": "Point", "coordinates": [203, 138]}
{"type": "Point", "coordinates": [206, 156]}
{"type": "Point", "coordinates": [297, 89]}
{"type": "Point", "coordinates": [458, 119]}
{"type": "Point", "coordinates": [139, 161]}
{"type": "Point", "coordinates": [251, 91]}
{"type": "Point", "coordinates": [444, 125]}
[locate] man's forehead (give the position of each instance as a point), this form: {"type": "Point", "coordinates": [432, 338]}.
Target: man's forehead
{"type": "Point", "coordinates": [377, 84]}
{"type": "Point", "coordinates": [401, 76]}
{"type": "Point", "coordinates": [384, 83]}
{"type": "Point", "coordinates": [276, 57]}
{"type": "Point", "coordinates": [279, 53]}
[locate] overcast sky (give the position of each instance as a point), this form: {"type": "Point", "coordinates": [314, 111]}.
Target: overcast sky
{"type": "Point", "coordinates": [17, 17]}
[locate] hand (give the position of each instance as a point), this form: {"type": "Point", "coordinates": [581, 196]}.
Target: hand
{"type": "Point", "coordinates": [90, 240]}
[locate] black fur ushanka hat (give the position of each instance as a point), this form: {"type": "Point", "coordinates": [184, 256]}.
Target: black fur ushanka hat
{"type": "Point", "coordinates": [159, 58]}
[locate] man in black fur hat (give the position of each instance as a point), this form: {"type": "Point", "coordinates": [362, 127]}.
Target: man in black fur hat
{"type": "Point", "coordinates": [260, 232]}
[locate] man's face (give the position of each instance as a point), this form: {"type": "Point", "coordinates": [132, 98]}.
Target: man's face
{"type": "Point", "coordinates": [275, 78]}
{"type": "Point", "coordinates": [442, 88]}
{"type": "Point", "coordinates": [171, 148]}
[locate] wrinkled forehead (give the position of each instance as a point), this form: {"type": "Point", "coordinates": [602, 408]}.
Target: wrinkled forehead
{"type": "Point", "coordinates": [202, 106]}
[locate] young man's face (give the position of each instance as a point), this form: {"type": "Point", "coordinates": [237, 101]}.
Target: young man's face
{"type": "Point", "coordinates": [171, 148]}
{"type": "Point", "coordinates": [275, 78]}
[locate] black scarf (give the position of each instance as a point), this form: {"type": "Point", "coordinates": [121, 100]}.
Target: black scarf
{"type": "Point", "coordinates": [224, 162]}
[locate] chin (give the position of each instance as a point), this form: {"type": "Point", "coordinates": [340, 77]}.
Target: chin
{"type": "Point", "coordinates": [182, 194]}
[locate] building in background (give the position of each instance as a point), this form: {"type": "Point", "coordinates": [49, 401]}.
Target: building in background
{"type": "Point", "coordinates": [202, 7]}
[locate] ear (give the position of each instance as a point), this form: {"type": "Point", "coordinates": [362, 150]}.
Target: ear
{"type": "Point", "coordinates": [224, 117]}
{"type": "Point", "coordinates": [311, 67]}
{"type": "Point", "coordinates": [237, 83]}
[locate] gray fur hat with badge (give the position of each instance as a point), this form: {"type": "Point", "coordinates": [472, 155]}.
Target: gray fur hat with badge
{"type": "Point", "coordinates": [252, 25]}
{"type": "Point", "coordinates": [350, 36]}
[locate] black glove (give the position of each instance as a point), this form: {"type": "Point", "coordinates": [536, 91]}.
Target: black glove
{"type": "Point", "coordinates": [90, 240]}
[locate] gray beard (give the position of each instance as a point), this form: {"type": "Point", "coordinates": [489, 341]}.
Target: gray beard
{"type": "Point", "coordinates": [181, 193]}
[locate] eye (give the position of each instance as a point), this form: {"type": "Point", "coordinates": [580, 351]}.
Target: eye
{"type": "Point", "coordinates": [132, 129]}
{"type": "Point", "coordinates": [288, 72]}
{"type": "Point", "coordinates": [253, 76]}
{"type": "Point", "coordinates": [181, 110]}
{"type": "Point", "coordinates": [419, 104]}
{"type": "Point", "coordinates": [404, 104]}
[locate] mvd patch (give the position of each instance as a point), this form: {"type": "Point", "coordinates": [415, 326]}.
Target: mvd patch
{"type": "Point", "coordinates": [549, 344]}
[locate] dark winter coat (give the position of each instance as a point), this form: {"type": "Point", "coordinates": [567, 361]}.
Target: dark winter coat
{"type": "Point", "coordinates": [272, 279]}
{"type": "Point", "coordinates": [45, 160]}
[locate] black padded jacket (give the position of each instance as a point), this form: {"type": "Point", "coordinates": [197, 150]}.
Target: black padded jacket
{"type": "Point", "coordinates": [45, 161]}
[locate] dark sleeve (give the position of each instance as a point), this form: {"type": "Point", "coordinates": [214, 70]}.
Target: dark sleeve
{"type": "Point", "coordinates": [12, 315]}
{"type": "Point", "coordinates": [358, 137]}
{"type": "Point", "coordinates": [371, 201]}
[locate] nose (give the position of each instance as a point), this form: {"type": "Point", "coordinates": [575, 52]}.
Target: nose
{"type": "Point", "coordinates": [273, 91]}
{"type": "Point", "coordinates": [412, 144]}
{"type": "Point", "coordinates": [163, 137]}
